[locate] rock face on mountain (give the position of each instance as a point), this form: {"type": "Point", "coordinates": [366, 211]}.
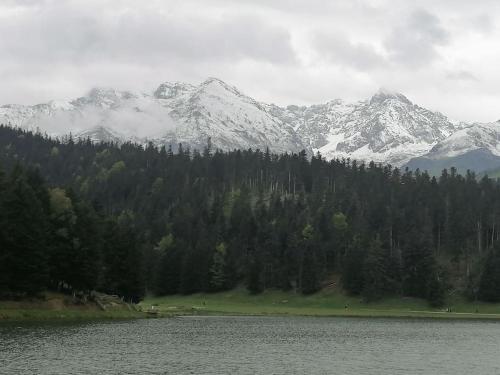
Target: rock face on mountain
{"type": "Point", "coordinates": [386, 128]}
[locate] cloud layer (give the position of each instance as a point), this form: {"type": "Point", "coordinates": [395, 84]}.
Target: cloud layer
{"type": "Point", "coordinates": [441, 55]}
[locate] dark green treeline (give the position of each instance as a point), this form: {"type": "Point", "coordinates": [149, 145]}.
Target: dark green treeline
{"type": "Point", "coordinates": [134, 219]}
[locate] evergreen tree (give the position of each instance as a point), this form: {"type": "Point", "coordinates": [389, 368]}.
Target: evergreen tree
{"type": "Point", "coordinates": [489, 284]}
{"type": "Point", "coordinates": [122, 260]}
{"type": "Point", "coordinates": [63, 221]}
{"type": "Point", "coordinates": [4, 255]}
{"type": "Point", "coordinates": [309, 271]}
{"type": "Point", "coordinates": [376, 281]}
{"type": "Point", "coordinates": [218, 270]}
{"type": "Point", "coordinates": [352, 271]}
{"type": "Point", "coordinates": [168, 272]}
{"type": "Point", "coordinates": [25, 250]}
{"type": "Point", "coordinates": [254, 283]}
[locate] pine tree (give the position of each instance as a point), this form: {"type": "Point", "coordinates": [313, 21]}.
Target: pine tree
{"type": "Point", "coordinates": [191, 280]}
{"type": "Point", "coordinates": [352, 270]}
{"type": "Point", "coordinates": [218, 270]}
{"type": "Point", "coordinates": [376, 281]}
{"type": "Point", "coordinates": [420, 270]}
{"type": "Point", "coordinates": [122, 260]}
{"type": "Point", "coordinates": [489, 284]}
{"type": "Point", "coordinates": [310, 273]}
{"type": "Point", "coordinates": [25, 250]}
{"type": "Point", "coordinates": [63, 221]}
{"type": "Point", "coordinates": [168, 272]}
{"type": "Point", "coordinates": [254, 283]}
{"type": "Point", "coordinates": [86, 246]}
{"type": "Point", "coordinates": [4, 270]}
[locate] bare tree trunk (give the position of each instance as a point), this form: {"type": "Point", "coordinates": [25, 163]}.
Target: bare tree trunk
{"type": "Point", "coordinates": [289, 182]}
{"type": "Point", "coordinates": [439, 239]}
{"type": "Point", "coordinates": [479, 236]}
{"type": "Point", "coordinates": [390, 243]}
{"type": "Point", "coordinates": [492, 234]}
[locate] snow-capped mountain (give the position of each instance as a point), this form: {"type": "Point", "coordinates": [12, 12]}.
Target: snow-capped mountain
{"type": "Point", "coordinates": [388, 127]}
{"type": "Point", "coordinates": [174, 113]}
{"type": "Point", "coordinates": [475, 147]}
{"type": "Point", "coordinates": [472, 137]}
{"type": "Point", "coordinates": [231, 119]}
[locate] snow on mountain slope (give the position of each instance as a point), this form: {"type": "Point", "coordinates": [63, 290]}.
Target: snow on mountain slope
{"type": "Point", "coordinates": [386, 128]}
{"type": "Point", "coordinates": [174, 113]}
{"type": "Point", "coordinates": [475, 147]}
{"type": "Point", "coordinates": [221, 112]}
{"type": "Point", "coordinates": [475, 136]}
{"type": "Point", "coordinates": [101, 134]}
{"type": "Point", "coordinates": [314, 123]}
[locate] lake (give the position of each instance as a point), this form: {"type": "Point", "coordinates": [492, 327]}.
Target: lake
{"type": "Point", "coordinates": [252, 345]}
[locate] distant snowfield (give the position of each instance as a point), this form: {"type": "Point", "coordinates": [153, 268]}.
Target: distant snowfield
{"type": "Point", "coordinates": [386, 128]}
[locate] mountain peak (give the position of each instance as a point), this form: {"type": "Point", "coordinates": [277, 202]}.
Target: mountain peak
{"type": "Point", "coordinates": [169, 90]}
{"type": "Point", "coordinates": [214, 80]}
{"type": "Point", "coordinates": [213, 83]}
{"type": "Point", "coordinates": [384, 94]}
{"type": "Point", "coordinates": [101, 91]}
{"type": "Point", "coordinates": [102, 97]}
{"type": "Point", "coordinates": [105, 96]}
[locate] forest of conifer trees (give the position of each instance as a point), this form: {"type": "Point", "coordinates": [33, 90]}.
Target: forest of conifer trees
{"type": "Point", "coordinates": [132, 219]}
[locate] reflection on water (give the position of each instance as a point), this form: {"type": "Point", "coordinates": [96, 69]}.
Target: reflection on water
{"type": "Point", "coordinates": [252, 345]}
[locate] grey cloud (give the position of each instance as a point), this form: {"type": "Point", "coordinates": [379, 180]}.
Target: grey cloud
{"type": "Point", "coordinates": [415, 42]}
{"type": "Point", "coordinates": [232, 38]}
{"type": "Point", "coordinates": [483, 23]}
{"type": "Point", "coordinates": [23, 3]}
{"type": "Point", "coordinates": [338, 49]}
{"type": "Point", "coordinates": [306, 8]}
{"type": "Point", "coordinates": [462, 75]}
{"type": "Point", "coordinates": [72, 34]}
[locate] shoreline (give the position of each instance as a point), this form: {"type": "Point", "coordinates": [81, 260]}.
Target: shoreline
{"type": "Point", "coordinates": [75, 315]}
{"type": "Point", "coordinates": [239, 303]}
{"type": "Point", "coordinates": [29, 315]}
{"type": "Point", "coordinates": [52, 306]}
{"type": "Point", "coordinates": [326, 303]}
{"type": "Point", "coordinates": [372, 314]}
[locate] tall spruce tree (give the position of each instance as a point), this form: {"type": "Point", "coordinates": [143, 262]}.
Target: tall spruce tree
{"type": "Point", "coordinates": [489, 284]}
{"type": "Point", "coordinates": [376, 282]}
{"type": "Point", "coordinates": [4, 255]}
{"type": "Point", "coordinates": [352, 269]}
{"type": "Point", "coordinates": [25, 247]}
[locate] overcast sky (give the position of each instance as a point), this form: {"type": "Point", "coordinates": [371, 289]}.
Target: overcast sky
{"type": "Point", "coordinates": [442, 54]}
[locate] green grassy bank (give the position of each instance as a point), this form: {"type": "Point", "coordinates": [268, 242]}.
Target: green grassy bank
{"type": "Point", "coordinates": [324, 303]}
{"type": "Point", "coordinates": [240, 302]}
{"type": "Point", "coordinates": [54, 306]}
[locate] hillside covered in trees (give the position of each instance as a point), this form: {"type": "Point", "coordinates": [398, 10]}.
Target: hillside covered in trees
{"type": "Point", "coordinates": [131, 220]}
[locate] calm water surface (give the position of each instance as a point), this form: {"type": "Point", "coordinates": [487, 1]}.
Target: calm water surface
{"type": "Point", "coordinates": [252, 345]}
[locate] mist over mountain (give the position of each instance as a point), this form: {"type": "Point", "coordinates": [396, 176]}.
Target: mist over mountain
{"type": "Point", "coordinates": [386, 128]}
